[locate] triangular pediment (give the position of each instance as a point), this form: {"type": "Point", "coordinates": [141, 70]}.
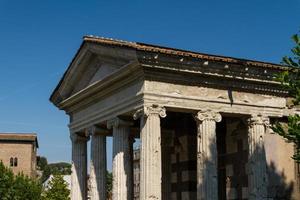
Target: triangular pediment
{"type": "Point", "coordinates": [92, 63]}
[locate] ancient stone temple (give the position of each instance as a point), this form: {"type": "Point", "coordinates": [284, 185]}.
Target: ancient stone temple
{"type": "Point", "coordinates": [203, 123]}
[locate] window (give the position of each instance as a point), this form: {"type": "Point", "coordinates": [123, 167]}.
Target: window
{"type": "Point", "coordinates": [11, 162]}
{"type": "Point", "coordinates": [16, 162]}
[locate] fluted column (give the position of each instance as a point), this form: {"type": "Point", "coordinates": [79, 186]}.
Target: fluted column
{"type": "Point", "coordinates": [257, 165]}
{"type": "Point", "coordinates": [98, 164]}
{"type": "Point", "coordinates": [79, 167]}
{"type": "Point", "coordinates": [207, 156]}
{"type": "Point", "coordinates": [150, 159]}
{"type": "Point", "coordinates": [122, 167]}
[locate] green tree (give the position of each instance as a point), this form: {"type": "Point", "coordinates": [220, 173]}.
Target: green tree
{"type": "Point", "coordinates": [57, 189]}
{"type": "Point", "coordinates": [290, 80]}
{"type": "Point", "coordinates": [26, 188]}
{"type": "Point", "coordinates": [61, 168]}
{"type": "Point", "coordinates": [42, 163]}
{"type": "Point", "coordinates": [6, 182]}
{"type": "Point", "coordinates": [19, 187]}
{"type": "Point", "coordinates": [109, 179]}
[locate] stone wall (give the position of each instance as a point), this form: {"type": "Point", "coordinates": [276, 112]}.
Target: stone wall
{"type": "Point", "coordinates": [283, 172]}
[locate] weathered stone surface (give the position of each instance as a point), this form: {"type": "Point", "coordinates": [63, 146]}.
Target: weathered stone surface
{"type": "Point", "coordinates": [257, 165]}
{"type": "Point", "coordinates": [151, 167]}
{"type": "Point", "coordinates": [122, 166]}
{"type": "Point", "coordinates": [98, 166]}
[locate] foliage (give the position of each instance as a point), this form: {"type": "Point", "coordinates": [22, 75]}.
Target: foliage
{"type": "Point", "coordinates": [60, 168]}
{"type": "Point", "coordinates": [291, 132]}
{"type": "Point", "coordinates": [42, 163]}
{"type": "Point", "coordinates": [57, 189]}
{"type": "Point", "coordinates": [109, 178]}
{"type": "Point", "coordinates": [290, 79]}
{"type": "Point", "coordinates": [6, 182]}
{"type": "Point", "coordinates": [19, 187]}
{"type": "Point", "coordinates": [26, 188]}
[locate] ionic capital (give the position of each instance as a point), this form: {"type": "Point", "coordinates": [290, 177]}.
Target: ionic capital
{"type": "Point", "coordinates": [208, 115]}
{"type": "Point", "coordinates": [78, 138]}
{"type": "Point", "coordinates": [150, 110]}
{"type": "Point", "coordinates": [259, 119]}
{"type": "Point", "coordinates": [117, 122]}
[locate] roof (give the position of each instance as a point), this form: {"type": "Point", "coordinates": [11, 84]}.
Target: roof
{"type": "Point", "coordinates": [27, 137]}
{"type": "Point", "coordinates": [178, 52]}
{"type": "Point", "coordinates": [167, 51]}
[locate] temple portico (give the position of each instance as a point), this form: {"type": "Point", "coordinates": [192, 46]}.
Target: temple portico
{"type": "Point", "coordinates": [203, 122]}
{"type": "Point", "coordinates": [153, 181]}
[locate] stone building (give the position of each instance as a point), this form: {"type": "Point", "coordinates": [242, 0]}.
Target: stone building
{"type": "Point", "coordinates": [18, 151]}
{"type": "Point", "coordinates": [203, 123]}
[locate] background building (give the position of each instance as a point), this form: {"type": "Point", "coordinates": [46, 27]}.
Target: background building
{"type": "Point", "coordinates": [18, 151]}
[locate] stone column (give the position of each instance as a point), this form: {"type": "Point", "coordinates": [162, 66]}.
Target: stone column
{"type": "Point", "coordinates": [98, 164]}
{"type": "Point", "coordinates": [150, 159]}
{"type": "Point", "coordinates": [207, 156]}
{"type": "Point", "coordinates": [257, 165]}
{"type": "Point", "coordinates": [122, 172]}
{"type": "Point", "coordinates": [79, 167]}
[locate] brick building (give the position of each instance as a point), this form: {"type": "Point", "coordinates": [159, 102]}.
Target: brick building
{"type": "Point", "coordinates": [18, 151]}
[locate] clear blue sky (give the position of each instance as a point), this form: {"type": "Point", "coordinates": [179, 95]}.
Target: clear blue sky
{"type": "Point", "coordinates": [39, 38]}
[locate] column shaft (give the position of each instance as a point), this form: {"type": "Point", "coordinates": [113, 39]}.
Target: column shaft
{"type": "Point", "coordinates": [257, 166]}
{"type": "Point", "coordinates": [122, 171]}
{"type": "Point", "coordinates": [150, 160]}
{"type": "Point", "coordinates": [207, 156]}
{"type": "Point", "coordinates": [79, 168]}
{"type": "Point", "coordinates": [98, 167]}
